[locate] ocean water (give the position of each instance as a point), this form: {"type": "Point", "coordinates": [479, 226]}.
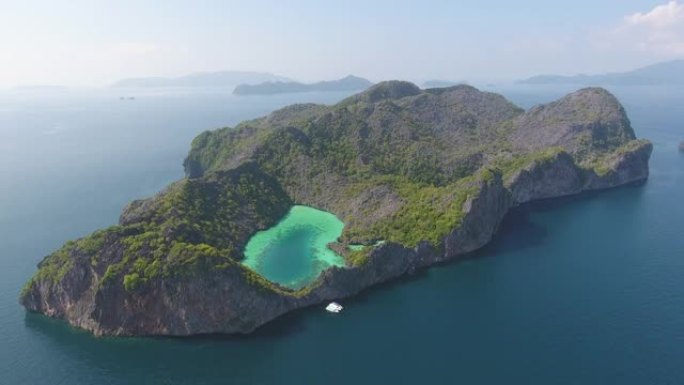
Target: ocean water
{"type": "Point", "coordinates": [583, 290]}
{"type": "Point", "coordinates": [295, 251]}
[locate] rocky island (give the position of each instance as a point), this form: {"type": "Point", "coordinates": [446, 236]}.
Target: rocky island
{"type": "Point", "coordinates": [349, 83]}
{"type": "Point", "coordinates": [429, 173]}
{"type": "Point", "coordinates": [663, 73]}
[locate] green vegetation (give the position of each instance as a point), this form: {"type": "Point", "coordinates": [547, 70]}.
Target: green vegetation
{"type": "Point", "coordinates": [189, 228]}
{"type": "Point", "coordinates": [359, 140]}
{"type": "Point", "coordinates": [511, 164]}
{"type": "Point", "coordinates": [428, 212]}
{"type": "Point", "coordinates": [194, 226]}
{"type": "Point", "coordinates": [359, 257]}
{"type": "Point", "coordinates": [601, 162]}
{"type": "Point", "coordinates": [55, 267]}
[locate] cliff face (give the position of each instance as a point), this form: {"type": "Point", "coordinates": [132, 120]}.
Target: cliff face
{"type": "Point", "coordinates": [431, 172]}
{"type": "Point", "coordinates": [588, 120]}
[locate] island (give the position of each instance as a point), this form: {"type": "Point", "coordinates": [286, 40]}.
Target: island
{"type": "Point", "coordinates": [348, 83]}
{"type": "Point", "coordinates": [407, 177]}
{"type": "Point", "coordinates": [665, 73]}
{"type": "Point", "coordinates": [202, 79]}
{"type": "Point", "coordinates": [681, 146]}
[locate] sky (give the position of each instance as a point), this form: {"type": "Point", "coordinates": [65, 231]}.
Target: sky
{"type": "Point", "coordinates": [94, 43]}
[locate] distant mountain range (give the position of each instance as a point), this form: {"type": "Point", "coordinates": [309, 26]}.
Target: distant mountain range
{"type": "Point", "coordinates": [671, 72]}
{"type": "Point", "coordinates": [349, 83]}
{"type": "Point", "coordinates": [204, 79]}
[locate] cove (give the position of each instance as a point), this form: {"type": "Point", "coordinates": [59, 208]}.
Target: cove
{"type": "Point", "coordinates": [295, 251]}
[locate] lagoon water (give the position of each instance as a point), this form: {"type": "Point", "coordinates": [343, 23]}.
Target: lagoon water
{"type": "Point", "coordinates": [295, 251]}
{"type": "Point", "coordinates": [585, 290]}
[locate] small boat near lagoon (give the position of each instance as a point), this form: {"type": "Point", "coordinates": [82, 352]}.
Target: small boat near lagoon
{"type": "Point", "coordinates": [334, 307]}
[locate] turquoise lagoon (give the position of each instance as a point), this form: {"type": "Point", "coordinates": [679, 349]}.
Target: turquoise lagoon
{"type": "Point", "coordinates": [295, 251]}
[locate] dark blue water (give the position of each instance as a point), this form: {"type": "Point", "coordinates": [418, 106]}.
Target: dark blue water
{"type": "Point", "coordinates": [584, 290]}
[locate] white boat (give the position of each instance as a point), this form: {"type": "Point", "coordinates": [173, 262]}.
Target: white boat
{"type": "Point", "coordinates": [334, 307]}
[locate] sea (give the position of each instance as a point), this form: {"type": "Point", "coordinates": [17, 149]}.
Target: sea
{"type": "Point", "coordinates": [580, 290]}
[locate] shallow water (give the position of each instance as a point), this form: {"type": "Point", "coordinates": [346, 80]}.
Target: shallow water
{"type": "Point", "coordinates": [586, 290]}
{"type": "Point", "coordinates": [295, 251]}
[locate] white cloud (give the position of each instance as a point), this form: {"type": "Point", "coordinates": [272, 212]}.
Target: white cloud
{"type": "Point", "coordinates": [662, 16]}
{"type": "Point", "coordinates": [658, 32]}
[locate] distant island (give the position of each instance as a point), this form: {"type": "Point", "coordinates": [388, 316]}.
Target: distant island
{"type": "Point", "coordinates": [349, 83]}
{"type": "Point", "coordinates": [203, 79]}
{"type": "Point", "coordinates": [439, 84]}
{"type": "Point", "coordinates": [416, 177]}
{"type": "Point", "coordinates": [681, 146]}
{"type": "Point", "coordinates": [671, 72]}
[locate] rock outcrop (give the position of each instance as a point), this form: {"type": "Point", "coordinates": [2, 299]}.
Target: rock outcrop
{"type": "Point", "coordinates": [433, 173]}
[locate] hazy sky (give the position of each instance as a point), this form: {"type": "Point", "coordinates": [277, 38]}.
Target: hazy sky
{"type": "Point", "coordinates": [91, 42]}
